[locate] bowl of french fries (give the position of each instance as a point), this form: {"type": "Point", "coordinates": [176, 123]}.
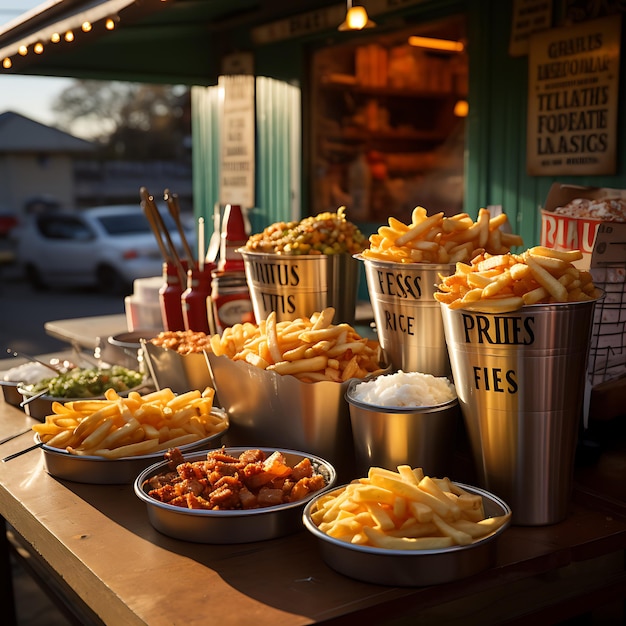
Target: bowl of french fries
{"type": "Point", "coordinates": [283, 382]}
{"type": "Point", "coordinates": [110, 441]}
{"type": "Point", "coordinates": [404, 528]}
{"type": "Point", "coordinates": [269, 488]}
{"type": "Point", "coordinates": [403, 264]}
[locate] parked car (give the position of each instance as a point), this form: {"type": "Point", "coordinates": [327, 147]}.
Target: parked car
{"type": "Point", "coordinates": [107, 247]}
{"type": "Point", "coordinates": [8, 221]}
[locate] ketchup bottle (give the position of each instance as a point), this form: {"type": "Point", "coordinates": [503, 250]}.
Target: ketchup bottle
{"type": "Point", "coordinates": [196, 315]}
{"type": "Point", "coordinates": [233, 236]}
{"type": "Point", "coordinates": [169, 299]}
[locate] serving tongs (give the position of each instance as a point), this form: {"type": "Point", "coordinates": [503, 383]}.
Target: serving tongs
{"type": "Point", "coordinates": [24, 451]}
{"type": "Point", "coordinates": [160, 232]}
{"type": "Point", "coordinates": [171, 199]}
{"type": "Point", "coordinates": [55, 368]}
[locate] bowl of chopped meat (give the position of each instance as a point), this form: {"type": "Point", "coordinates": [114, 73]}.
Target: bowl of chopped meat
{"type": "Point", "coordinates": [232, 495]}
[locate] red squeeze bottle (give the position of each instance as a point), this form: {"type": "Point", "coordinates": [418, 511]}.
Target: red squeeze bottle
{"type": "Point", "coordinates": [194, 299]}
{"type": "Point", "coordinates": [234, 236]}
{"type": "Point", "coordinates": [169, 299]}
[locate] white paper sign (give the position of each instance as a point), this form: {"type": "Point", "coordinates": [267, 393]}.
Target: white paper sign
{"type": "Point", "coordinates": [529, 16]}
{"type": "Point", "coordinates": [573, 90]}
{"type": "Point", "coordinates": [237, 167]}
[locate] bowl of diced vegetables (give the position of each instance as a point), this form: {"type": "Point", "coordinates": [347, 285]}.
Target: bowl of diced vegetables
{"type": "Point", "coordinates": [79, 384]}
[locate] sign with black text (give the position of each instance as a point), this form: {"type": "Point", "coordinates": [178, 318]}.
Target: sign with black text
{"type": "Point", "coordinates": [573, 90]}
{"type": "Point", "coordinates": [237, 166]}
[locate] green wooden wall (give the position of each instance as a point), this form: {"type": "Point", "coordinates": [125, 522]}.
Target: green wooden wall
{"type": "Point", "coordinates": [496, 129]}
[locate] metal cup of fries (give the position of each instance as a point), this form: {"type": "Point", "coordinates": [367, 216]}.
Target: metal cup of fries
{"type": "Point", "coordinates": [520, 379]}
{"type": "Point", "coordinates": [407, 316]}
{"type": "Point", "coordinates": [518, 329]}
{"type": "Point", "coordinates": [297, 286]}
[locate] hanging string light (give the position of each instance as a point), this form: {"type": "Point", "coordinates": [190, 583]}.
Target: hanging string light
{"type": "Point", "coordinates": [109, 23]}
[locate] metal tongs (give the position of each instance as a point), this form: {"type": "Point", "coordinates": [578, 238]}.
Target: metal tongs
{"type": "Point", "coordinates": [167, 247]}
{"type": "Point", "coordinates": [28, 357]}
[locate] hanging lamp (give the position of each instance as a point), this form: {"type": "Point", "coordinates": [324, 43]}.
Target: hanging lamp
{"type": "Point", "coordinates": [356, 18]}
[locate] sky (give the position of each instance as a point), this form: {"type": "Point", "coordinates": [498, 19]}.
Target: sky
{"type": "Point", "coordinates": [31, 96]}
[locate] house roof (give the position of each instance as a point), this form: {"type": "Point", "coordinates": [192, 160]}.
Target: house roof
{"type": "Point", "coordinates": [21, 134]}
{"type": "Point", "coordinates": [156, 41]}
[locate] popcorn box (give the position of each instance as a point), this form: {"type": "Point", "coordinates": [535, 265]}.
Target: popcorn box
{"type": "Point", "coordinates": [571, 232]}
{"type": "Point", "coordinates": [602, 243]}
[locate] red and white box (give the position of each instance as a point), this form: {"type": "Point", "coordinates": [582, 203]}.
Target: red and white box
{"type": "Point", "coordinates": [593, 220]}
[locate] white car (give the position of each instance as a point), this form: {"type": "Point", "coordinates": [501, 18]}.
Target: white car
{"type": "Point", "coordinates": [107, 247]}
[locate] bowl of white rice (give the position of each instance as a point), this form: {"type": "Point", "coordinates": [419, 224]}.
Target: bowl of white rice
{"type": "Point", "coordinates": [404, 418]}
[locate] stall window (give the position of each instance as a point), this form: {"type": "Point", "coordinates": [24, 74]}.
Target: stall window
{"type": "Point", "coordinates": [388, 125]}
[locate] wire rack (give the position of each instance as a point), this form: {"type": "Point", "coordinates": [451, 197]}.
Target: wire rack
{"type": "Point", "coordinates": [607, 355]}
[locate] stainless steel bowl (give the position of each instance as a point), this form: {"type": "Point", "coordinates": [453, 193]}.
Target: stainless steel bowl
{"type": "Point", "coordinates": [419, 436]}
{"type": "Point", "coordinates": [10, 392]}
{"type": "Point", "coordinates": [97, 470]}
{"type": "Point", "coordinates": [40, 406]}
{"type": "Point", "coordinates": [285, 411]}
{"type": "Point", "coordinates": [178, 372]}
{"type": "Point", "coordinates": [229, 527]}
{"type": "Point", "coordinates": [125, 349]}
{"type": "Point", "coordinates": [410, 568]}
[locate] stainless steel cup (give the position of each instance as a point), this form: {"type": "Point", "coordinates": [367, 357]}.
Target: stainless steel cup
{"type": "Point", "coordinates": [298, 286]}
{"type": "Point", "coordinates": [520, 379]}
{"type": "Point", "coordinates": [390, 436]}
{"type": "Point", "coordinates": [407, 316]}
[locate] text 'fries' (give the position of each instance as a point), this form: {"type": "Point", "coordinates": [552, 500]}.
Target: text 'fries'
{"type": "Point", "coordinates": [122, 427]}
{"type": "Point", "coordinates": [404, 510]}
{"type": "Point", "coordinates": [311, 349]}
{"type": "Point", "coordinates": [439, 239]}
{"type": "Point", "coordinates": [505, 282]}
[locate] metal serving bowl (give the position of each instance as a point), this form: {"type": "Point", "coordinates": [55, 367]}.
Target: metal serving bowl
{"type": "Point", "coordinates": [97, 470]}
{"type": "Point", "coordinates": [38, 407]}
{"type": "Point", "coordinates": [285, 411]}
{"type": "Point", "coordinates": [178, 372]}
{"type": "Point", "coordinates": [10, 392]}
{"type": "Point", "coordinates": [410, 568]}
{"type": "Point", "coordinates": [230, 527]}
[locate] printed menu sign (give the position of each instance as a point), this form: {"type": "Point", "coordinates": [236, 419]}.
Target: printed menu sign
{"type": "Point", "coordinates": [237, 141]}
{"type": "Point", "coordinates": [573, 89]}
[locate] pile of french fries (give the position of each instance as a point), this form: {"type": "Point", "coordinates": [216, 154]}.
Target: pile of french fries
{"type": "Point", "coordinates": [311, 349]}
{"type": "Point", "coordinates": [505, 282]}
{"type": "Point", "coordinates": [439, 239]}
{"type": "Point", "coordinates": [119, 427]}
{"type": "Point", "coordinates": [404, 510]}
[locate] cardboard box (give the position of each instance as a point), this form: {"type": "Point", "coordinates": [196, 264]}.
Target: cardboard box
{"type": "Point", "coordinates": [562, 232]}
{"type": "Point", "coordinates": [604, 254]}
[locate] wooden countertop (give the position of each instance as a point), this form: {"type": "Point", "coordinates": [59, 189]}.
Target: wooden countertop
{"type": "Point", "coordinates": [99, 540]}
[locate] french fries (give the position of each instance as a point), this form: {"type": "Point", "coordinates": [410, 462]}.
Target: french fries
{"type": "Point", "coordinates": [118, 427]}
{"type": "Point", "coordinates": [439, 239]}
{"type": "Point", "coordinates": [505, 282]}
{"type": "Point", "coordinates": [404, 510]}
{"type": "Point", "coordinates": [311, 349]}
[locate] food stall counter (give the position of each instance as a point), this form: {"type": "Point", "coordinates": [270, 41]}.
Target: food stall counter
{"type": "Point", "coordinates": [97, 539]}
